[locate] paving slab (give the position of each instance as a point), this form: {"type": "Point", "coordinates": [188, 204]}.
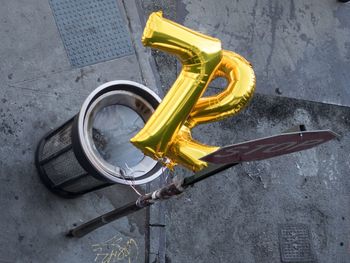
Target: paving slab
{"type": "Point", "coordinates": [34, 221]}
{"type": "Point", "coordinates": [40, 90]}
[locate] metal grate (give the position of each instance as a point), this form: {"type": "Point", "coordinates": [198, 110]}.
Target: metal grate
{"type": "Point", "coordinates": [295, 245]}
{"type": "Point", "coordinates": [92, 30]}
{"type": "Point", "coordinates": [63, 168]}
{"type": "Point", "coordinates": [59, 167]}
{"type": "Point", "coordinates": [57, 142]}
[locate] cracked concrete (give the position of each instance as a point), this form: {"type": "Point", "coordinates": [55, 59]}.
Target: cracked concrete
{"type": "Point", "coordinates": [299, 48]}
{"type": "Point", "coordinates": [236, 214]}
{"type": "Point", "coordinates": [300, 53]}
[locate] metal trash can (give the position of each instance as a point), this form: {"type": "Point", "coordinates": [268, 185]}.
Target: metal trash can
{"type": "Point", "coordinates": [92, 150]}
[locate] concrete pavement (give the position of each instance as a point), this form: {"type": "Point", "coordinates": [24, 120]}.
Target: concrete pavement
{"type": "Point", "coordinates": [40, 90]}
{"type": "Point", "coordinates": [300, 53]}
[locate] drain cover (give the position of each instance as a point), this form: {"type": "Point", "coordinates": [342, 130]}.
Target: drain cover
{"type": "Point", "coordinates": [92, 31]}
{"type": "Point", "coordinates": [295, 245]}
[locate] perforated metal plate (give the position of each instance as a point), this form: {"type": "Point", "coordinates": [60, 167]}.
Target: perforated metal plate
{"type": "Point", "coordinates": [92, 31]}
{"type": "Point", "coordinates": [295, 245]}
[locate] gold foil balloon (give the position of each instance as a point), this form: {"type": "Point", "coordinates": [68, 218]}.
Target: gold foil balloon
{"type": "Point", "coordinates": [167, 134]}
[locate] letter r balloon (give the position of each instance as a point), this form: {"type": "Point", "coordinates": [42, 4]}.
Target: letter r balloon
{"type": "Point", "coordinates": [167, 134]}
